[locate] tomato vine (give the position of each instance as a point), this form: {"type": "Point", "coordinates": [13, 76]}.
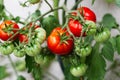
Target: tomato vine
{"type": "Point", "coordinates": [81, 43]}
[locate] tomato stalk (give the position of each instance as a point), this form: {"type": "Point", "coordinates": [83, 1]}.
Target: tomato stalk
{"type": "Point", "coordinates": [55, 5]}
{"type": "Point", "coordinates": [63, 13]}
{"type": "Point", "coordinates": [49, 4]}
{"type": "Point", "coordinates": [76, 4]}
{"type": "Point", "coordinates": [12, 63]}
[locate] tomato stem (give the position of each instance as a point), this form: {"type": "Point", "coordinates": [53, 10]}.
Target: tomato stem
{"type": "Point", "coordinates": [12, 64]}
{"type": "Point", "coordinates": [63, 13]}
{"type": "Point", "coordinates": [55, 5]}
{"type": "Point", "coordinates": [76, 4]}
{"type": "Point", "coordinates": [49, 4]}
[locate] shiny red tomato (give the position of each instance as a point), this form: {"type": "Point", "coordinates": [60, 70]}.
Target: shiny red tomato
{"type": "Point", "coordinates": [86, 13]}
{"type": "Point", "coordinates": [60, 41]}
{"type": "Point", "coordinates": [7, 29]}
{"type": "Point", "coordinates": [75, 27]}
{"type": "Point", "coordinates": [23, 38]}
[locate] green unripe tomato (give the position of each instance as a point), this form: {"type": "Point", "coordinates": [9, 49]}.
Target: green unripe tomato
{"type": "Point", "coordinates": [6, 48]}
{"type": "Point", "coordinates": [91, 27]}
{"type": "Point", "coordinates": [102, 36]}
{"type": "Point", "coordinates": [19, 52]}
{"type": "Point", "coordinates": [79, 70]}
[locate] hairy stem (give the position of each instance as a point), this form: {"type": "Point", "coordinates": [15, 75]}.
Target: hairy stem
{"type": "Point", "coordinates": [63, 13]}
{"type": "Point", "coordinates": [49, 4]}
{"type": "Point", "coordinates": [55, 5]}
{"type": "Point", "coordinates": [76, 4]}
{"type": "Point", "coordinates": [12, 64]}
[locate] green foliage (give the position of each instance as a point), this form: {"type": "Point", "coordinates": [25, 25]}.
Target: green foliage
{"type": "Point", "coordinates": [67, 64]}
{"type": "Point", "coordinates": [118, 44]}
{"type": "Point", "coordinates": [96, 70]}
{"type": "Point", "coordinates": [109, 21]}
{"type": "Point", "coordinates": [108, 51]}
{"type": "Point", "coordinates": [112, 40]}
{"type": "Point", "coordinates": [3, 72]}
{"type": "Point", "coordinates": [34, 68]}
{"type": "Point", "coordinates": [117, 2]}
{"type": "Point", "coordinates": [49, 23]}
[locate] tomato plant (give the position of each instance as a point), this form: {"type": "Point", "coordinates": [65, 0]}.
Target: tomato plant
{"type": "Point", "coordinates": [79, 38]}
{"type": "Point", "coordinates": [7, 29]}
{"type": "Point", "coordinates": [60, 42]}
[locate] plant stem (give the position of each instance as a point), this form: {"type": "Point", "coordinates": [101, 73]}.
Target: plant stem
{"type": "Point", "coordinates": [12, 63]}
{"type": "Point", "coordinates": [55, 5]}
{"type": "Point", "coordinates": [48, 4]}
{"type": "Point", "coordinates": [63, 13]}
{"type": "Point", "coordinates": [77, 3]}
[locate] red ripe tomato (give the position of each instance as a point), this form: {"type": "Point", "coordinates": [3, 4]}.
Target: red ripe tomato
{"type": "Point", "coordinates": [7, 29]}
{"type": "Point", "coordinates": [23, 38]}
{"type": "Point", "coordinates": [87, 13]}
{"type": "Point", "coordinates": [75, 27]}
{"type": "Point", "coordinates": [60, 42]}
{"type": "Point", "coordinates": [35, 26]}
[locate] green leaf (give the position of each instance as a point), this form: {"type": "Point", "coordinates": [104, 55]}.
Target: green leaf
{"type": "Point", "coordinates": [49, 23]}
{"type": "Point", "coordinates": [112, 40]}
{"type": "Point", "coordinates": [36, 14]}
{"type": "Point", "coordinates": [34, 68]}
{"type": "Point", "coordinates": [67, 64]}
{"type": "Point", "coordinates": [3, 72]}
{"type": "Point", "coordinates": [96, 68]}
{"type": "Point", "coordinates": [93, 2]}
{"type": "Point", "coordinates": [117, 2]}
{"type": "Point", "coordinates": [108, 51]}
{"type": "Point", "coordinates": [118, 44]}
{"type": "Point", "coordinates": [109, 21]}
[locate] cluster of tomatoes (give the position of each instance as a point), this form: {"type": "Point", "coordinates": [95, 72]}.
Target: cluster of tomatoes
{"type": "Point", "coordinates": [21, 41]}
{"type": "Point", "coordinates": [61, 41]}
{"type": "Point", "coordinates": [69, 40]}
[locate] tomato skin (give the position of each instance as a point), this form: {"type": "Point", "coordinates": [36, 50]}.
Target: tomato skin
{"type": "Point", "coordinates": [79, 70]}
{"type": "Point", "coordinates": [19, 52]}
{"type": "Point", "coordinates": [84, 51]}
{"type": "Point", "coordinates": [56, 45]}
{"type": "Point", "coordinates": [5, 35]}
{"type": "Point", "coordinates": [87, 13]}
{"type": "Point", "coordinates": [40, 35]}
{"type": "Point", "coordinates": [6, 48]}
{"type": "Point", "coordinates": [91, 29]}
{"type": "Point", "coordinates": [75, 27]}
{"type": "Point", "coordinates": [33, 50]}
{"type": "Point", "coordinates": [23, 38]}
{"type": "Point", "coordinates": [102, 36]}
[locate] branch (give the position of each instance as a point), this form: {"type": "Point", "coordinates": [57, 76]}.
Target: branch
{"type": "Point", "coordinates": [77, 3]}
